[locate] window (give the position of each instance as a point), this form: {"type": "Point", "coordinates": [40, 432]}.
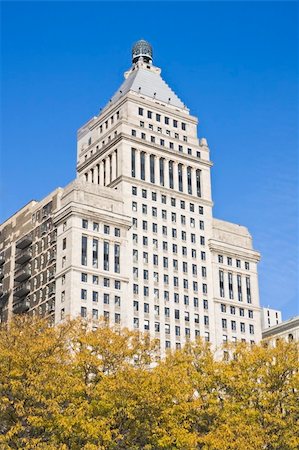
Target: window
{"type": "Point", "coordinates": [95, 314]}
{"type": "Point", "coordinates": [64, 244]}
{"type": "Point", "coordinates": [248, 290]}
{"type": "Point", "coordinates": [141, 124]}
{"type": "Point", "coordinates": [224, 323]}
{"type": "Point", "coordinates": [152, 168]}
{"type": "Point", "coordinates": [84, 223]}
{"type": "Point", "coordinates": [136, 306]}
{"type": "Point", "coordinates": [106, 256]}
{"type": "Point", "coordinates": [183, 126]}
{"type": "Point", "coordinates": [106, 229]}
{"type": "Point", "coordinates": [144, 193]}
{"type": "Point", "coordinates": [246, 265]}
{"type": "Point", "coordinates": [149, 114]}
{"type": "Point", "coordinates": [241, 311]}
{"type": "Point", "coordinates": [133, 132]}
{"type": "Point", "coordinates": [180, 177]}
{"type": "Point", "coordinates": [198, 184]}
{"type": "Point", "coordinates": [161, 167]}
{"type": "Point", "coordinates": [83, 311]}
{"type": "Point", "coordinates": [238, 263]}
{"type": "Point", "coordinates": [83, 294]}
{"type": "Point", "coordinates": [221, 283]}
{"type": "Point", "coordinates": [134, 190]}
{"type": "Point", "coordinates": [239, 286]}
{"type": "Point", "coordinates": [140, 111]}
{"type": "Point", "coordinates": [95, 296]}
{"type": "Point", "coordinates": [250, 314]}
{"type": "Point", "coordinates": [229, 261]}
{"type": "Point", "coordinates": [106, 282]}
{"type": "Point", "coordinates": [230, 285]}
{"type": "Point", "coordinates": [223, 307]}
{"type": "Point", "coordinates": [84, 251]}
{"type": "Point", "coordinates": [117, 232]}
{"type": "Point", "coordinates": [242, 327]}
{"type": "Point", "coordinates": [116, 258]}
{"type": "Point", "coordinates": [232, 310]}
{"type": "Point", "coordinates": [142, 165]}
{"type": "Point", "coordinates": [106, 299]}
{"type": "Point", "coordinates": [133, 161]}
{"type": "Point", "coordinates": [95, 246]}
{"type": "Point", "coordinates": [205, 304]}
{"type": "Point", "coordinates": [117, 318]}
{"type": "Point", "coordinates": [136, 322]}
{"type": "Point", "coordinates": [146, 325]}
{"type": "Point", "coordinates": [166, 120]}
{"type": "Point", "coordinates": [175, 123]}
{"type": "Point", "coordinates": [84, 277]}
{"type": "Point", "coordinates": [206, 320]}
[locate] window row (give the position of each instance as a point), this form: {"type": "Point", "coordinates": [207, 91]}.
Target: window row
{"type": "Point", "coordinates": [230, 262]}
{"type": "Point", "coordinates": [95, 297]}
{"type": "Point", "coordinates": [95, 280]}
{"type": "Point", "coordinates": [106, 251]}
{"type": "Point", "coordinates": [237, 282]}
{"type": "Point", "coordinates": [167, 120]}
{"type": "Point", "coordinates": [106, 229]}
{"type": "Point", "coordinates": [173, 201]}
{"type": "Point", "coordinates": [232, 309]}
{"type": "Point", "coordinates": [233, 324]}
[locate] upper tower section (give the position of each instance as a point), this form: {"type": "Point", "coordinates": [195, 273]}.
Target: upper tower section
{"type": "Point", "coordinates": [142, 49]}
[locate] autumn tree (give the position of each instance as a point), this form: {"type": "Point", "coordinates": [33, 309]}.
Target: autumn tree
{"type": "Point", "coordinates": [70, 387]}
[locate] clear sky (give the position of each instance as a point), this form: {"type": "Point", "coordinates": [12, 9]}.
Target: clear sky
{"type": "Point", "coordinates": [235, 65]}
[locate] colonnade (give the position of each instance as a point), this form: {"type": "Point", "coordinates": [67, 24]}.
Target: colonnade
{"type": "Point", "coordinates": [104, 172]}
{"type": "Point", "coordinates": [165, 172]}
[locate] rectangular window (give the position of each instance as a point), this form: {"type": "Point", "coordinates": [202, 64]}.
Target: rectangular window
{"type": "Point", "coordinates": [84, 277]}
{"type": "Point", "coordinates": [230, 285]}
{"type": "Point", "coordinates": [95, 247]}
{"type": "Point", "coordinates": [189, 179]}
{"type": "Point", "coordinates": [198, 183]}
{"type": "Point", "coordinates": [95, 296]}
{"type": "Point", "coordinates": [83, 294]}
{"type": "Point", "coordinates": [221, 283]}
{"type": "Point", "coordinates": [116, 258]}
{"type": "Point", "coordinates": [133, 162]}
{"type": "Point", "coordinates": [84, 223]}
{"type": "Point", "coordinates": [106, 256]}
{"type": "Point", "coordinates": [152, 168]}
{"type": "Point", "coordinates": [142, 165]}
{"type": "Point", "coordinates": [84, 251]}
{"type": "Point", "coordinates": [239, 285]}
{"type": "Point", "coordinates": [180, 177]}
{"type": "Point", "coordinates": [140, 111]}
{"type": "Point", "coordinates": [83, 311]}
{"type": "Point", "coordinates": [170, 166]}
{"type": "Point", "coordinates": [248, 290]}
{"type": "Point", "coordinates": [149, 114]}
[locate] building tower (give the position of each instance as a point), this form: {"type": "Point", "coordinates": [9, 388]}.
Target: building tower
{"type": "Point", "coordinates": [136, 241]}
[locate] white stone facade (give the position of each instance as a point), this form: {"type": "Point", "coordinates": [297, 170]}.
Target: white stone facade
{"type": "Point", "coordinates": [270, 317]}
{"type": "Point", "coordinates": [143, 171]}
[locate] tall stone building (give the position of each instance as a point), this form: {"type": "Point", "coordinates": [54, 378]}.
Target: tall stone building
{"type": "Point", "coordinates": [133, 238]}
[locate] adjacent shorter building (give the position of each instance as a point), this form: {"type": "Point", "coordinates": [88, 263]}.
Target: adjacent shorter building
{"type": "Point", "coordinates": [270, 317]}
{"type": "Point", "coordinates": [287, 330]}
{"type": "Point", "coordinates": [133, 238]}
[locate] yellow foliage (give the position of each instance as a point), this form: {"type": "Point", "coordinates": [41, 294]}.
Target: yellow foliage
{"type": "Point", "coordinates": [70, 388]}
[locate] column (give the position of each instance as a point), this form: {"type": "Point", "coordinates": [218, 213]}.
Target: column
{"type": "Point", "coordinates": [114, 165]}
{"type": "Point", "coordinates": [147, 168]}
{"type": "Point", "coordinates": [175, 176]}
{"type": "Point", "coordinates": [194, 184]}
{"type": "Point", "coordinates": [107, 160]}
{"type": "Point", "coordinates": [101, 173]}
{"type": "Point", "coordinates": [137, 164]}
{"type": "Point", "coordinates": [166, 173]}
{"type": "Point", "coordinates": [157, 170]}
{"type": "Point", "coordinates": [184, 179]}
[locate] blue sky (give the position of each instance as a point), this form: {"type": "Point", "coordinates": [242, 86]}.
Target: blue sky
{"type": "Point", "coordinates": [234, 64]}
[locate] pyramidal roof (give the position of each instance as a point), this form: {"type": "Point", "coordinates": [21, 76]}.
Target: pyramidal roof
{"type": "Point", "coordinates": [145, 79]}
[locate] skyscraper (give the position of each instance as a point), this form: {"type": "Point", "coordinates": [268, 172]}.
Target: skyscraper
{"type": "Point", "coordinates": [133, 238]}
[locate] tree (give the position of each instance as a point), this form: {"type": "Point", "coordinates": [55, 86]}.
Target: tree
{"type": "Point", "coordinates": [69, 388]}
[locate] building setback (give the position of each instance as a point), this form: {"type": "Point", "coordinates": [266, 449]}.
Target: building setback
{"type": "Point", "coordinates": [133, 238]}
